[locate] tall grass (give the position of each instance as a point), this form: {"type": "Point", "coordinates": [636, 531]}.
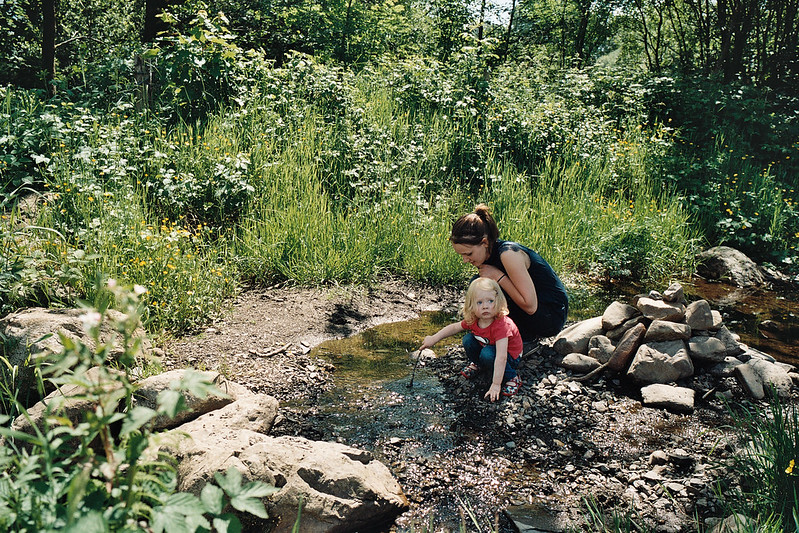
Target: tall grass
{"type": "Point", "coordinates": [331, 176]}
{"type": "Point", "coordinates": [768, 464]}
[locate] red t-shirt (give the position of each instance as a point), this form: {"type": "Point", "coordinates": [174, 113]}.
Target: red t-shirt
{"type": "Point", "coordinates": [501, 327]}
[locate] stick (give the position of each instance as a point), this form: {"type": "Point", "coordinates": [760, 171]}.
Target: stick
{"type": "Point", "coordinates": [413, 374]}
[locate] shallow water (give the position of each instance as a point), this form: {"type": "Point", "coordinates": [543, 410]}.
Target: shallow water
{"type": "Point", "coordinates": [414, 430]}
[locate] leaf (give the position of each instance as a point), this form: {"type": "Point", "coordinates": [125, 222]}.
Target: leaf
{"type": "Point", "coordinates": [93, 522]}
{"type": "Point", "coordinates": [136, 418]}
{"type": "Point", "coordinates": [171, 402]}
{"type": "Point", "coordinates": [213, 498]}
{"type": "Point", "coordinates": [227, 523]}
{"type": "Point", "coordinates": [250, 505]}
{"type": "Point", "coordinates": [229, 481]}
{"type": "Point", "coordinates": [177, 513]}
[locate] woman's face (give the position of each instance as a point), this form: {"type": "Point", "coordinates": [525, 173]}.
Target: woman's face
{"type": "Point", "coordinates": [474, 254]}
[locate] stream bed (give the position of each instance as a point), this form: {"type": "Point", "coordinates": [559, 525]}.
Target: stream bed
{"type": "Point", "coordinates": [462, 467]}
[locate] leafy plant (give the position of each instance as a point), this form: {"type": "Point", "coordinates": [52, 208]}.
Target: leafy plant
{"type": "Point", "coordinates": [766, 465]}
{"type": "Point", "coordinates": [91, 472]}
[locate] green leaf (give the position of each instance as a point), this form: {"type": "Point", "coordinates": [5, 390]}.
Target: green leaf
{"type": "Point", "coordinates": [198, 384]}
{"type": "Point", "coordinates": [93, 522]}
{"type": "Point", "coordinates": [227, 523]}
{"type": "Point", "coordinates": [171, 402]}
{"type": "Point", "coordinates": [229, 481]}
{"type": "Point", "coordinates": [250, 505]}
{"type": "Point", "coordinates": [136, 418]}
{"type": "Point", "coordinates": [213, 498]}
{"type": "Point", "coordinates": [180, 513]}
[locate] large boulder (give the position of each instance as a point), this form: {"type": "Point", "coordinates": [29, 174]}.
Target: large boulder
{"type": "Point", "coordinates": [36, 331]}
{"type": "Point", "coordinates": [661, 309]}
{"type": "Point", "coordinates": [339, 487]}
{"type": "Point", "coordinates": [729, 264]}
{"type": "Point", "coordinates": [677, 399]}
{"type": "Point", "coordinates": [148, 389]}
{"type": "Point", "coordinates": [661, 362]}
{"type": "Point", "coordinates": [576, 337]}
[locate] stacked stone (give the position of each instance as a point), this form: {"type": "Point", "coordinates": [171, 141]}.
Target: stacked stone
{"type": "Point", "coordinates": [659, 340]}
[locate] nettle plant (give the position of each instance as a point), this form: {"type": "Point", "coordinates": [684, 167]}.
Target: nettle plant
{"type": "Point", "coordinates": [92, 474]}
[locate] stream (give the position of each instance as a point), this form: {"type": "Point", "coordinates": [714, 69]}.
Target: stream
{"type": "Point", "coordinates": [456, 477]}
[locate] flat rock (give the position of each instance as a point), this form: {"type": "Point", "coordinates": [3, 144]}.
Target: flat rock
{"type": "Point", "coordinates": [677, 399]}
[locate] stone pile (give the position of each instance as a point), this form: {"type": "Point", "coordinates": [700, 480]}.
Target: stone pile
{"type": "Point", "coordinates": [660, 341]}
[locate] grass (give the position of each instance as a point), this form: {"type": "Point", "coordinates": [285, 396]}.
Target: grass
{"type": "Point", "coordinates": [769, 485]}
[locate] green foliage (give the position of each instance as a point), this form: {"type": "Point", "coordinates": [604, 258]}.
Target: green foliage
{"type": "Point", "coordinates": [769, 485]}
{"type": "Point", "coordinates": [93, 472]}
{"type": "Point", "coordinates": [199, 66]}
{"type": "Point", "coordinates": [734, 163]}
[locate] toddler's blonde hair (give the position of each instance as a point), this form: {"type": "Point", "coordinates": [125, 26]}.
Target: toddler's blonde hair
{"type": "Point", "coordinates": [484, 284]}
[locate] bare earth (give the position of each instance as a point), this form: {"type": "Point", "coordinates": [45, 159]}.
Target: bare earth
{"type": "Point", "coordinates": [261, 342]}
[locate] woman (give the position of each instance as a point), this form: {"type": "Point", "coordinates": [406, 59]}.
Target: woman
{"type": "Point", "coordinates": [537, 300]}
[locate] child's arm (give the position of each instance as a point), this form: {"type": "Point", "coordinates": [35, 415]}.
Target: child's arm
{"type": "Point", "coordinates": [499, 369]}
{"type": "Point", "coordinates": [443, 333]}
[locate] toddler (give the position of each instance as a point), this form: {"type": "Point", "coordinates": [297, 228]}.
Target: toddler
{"type": "Point", "coordinates": [493, 340]}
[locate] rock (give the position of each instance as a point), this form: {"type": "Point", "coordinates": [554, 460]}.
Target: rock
{"type": "Point", "coordinates": [773, 377]}
{"type": "Point", "coordinates": [36, 331]}
{"type": "Point", "coordinates": [718, 320]}
{"type": "Point", "coordinates": [615, 334]}
{"type": "Point", "coordinates": [575, 338]}
{"type": "Point", "coordinates": [707, 349]}
{"type": "Point", "coordinates": [250, 411]}
{"type": "Point", "coordinates": [674, 293]}
{"type": "Point", "coordinates": [578, 362]}
{"type": "Point", "coordinates": [661, 362]}
{"type": "Point", "coordinates": [617, 314]}
{"type": "Point", "coordinates": [664, 330]}
{"type": "Point", "coordinates": [725, 368]}
{"type": "Point", "coordinates": [149, 388]}
{"type": "Point", "coordinates": [658, 457]}
{"type": "Point", "coordinates": [733, 347]}
{"type": "Point", "coordinates": [661, 310]}
{"type": "Point", "coordinates": [736, 523]}
{"type": "Point", "coordinates": [342, 488]}
{"type": "Point", "coordinates": [600, 348]}
{"type": "Point", "coordinates": [729, 264]}
{"type": "Point", "coordinates": [627, 346]}
{"type": "Point", "coordinates": [677, 399]}
{"type": "Point", "coordinates": [698, 315]}
{"type": "Point", "coordinates": [68, 401]}
{"type": "Point", "coordinates": [749, 381]}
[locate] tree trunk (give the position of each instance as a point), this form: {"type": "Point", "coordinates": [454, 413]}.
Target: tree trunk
{"type": "Point", "coordinates": [506, 50]}
{"type": "Point", "coordinates": [48, 44]}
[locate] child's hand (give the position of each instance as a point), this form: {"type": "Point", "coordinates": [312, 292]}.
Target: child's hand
{"type": "Point", "coordinates": [428, 342]}
{"type": "Point", "coordinates": [493, 392]}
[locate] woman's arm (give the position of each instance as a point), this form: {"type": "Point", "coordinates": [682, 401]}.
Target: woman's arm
{"type": "Point", "coordinates": [443, 333]}
{"type": "Point", "coordinates": [516, 283]}
{"type": "Point", "coordinates": [499, 369]}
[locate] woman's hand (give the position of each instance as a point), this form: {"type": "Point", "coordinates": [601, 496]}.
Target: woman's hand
{"type": "Point", "coordinates": [493, 392]}
{"type": "Point", "coordinates": [489, 271]}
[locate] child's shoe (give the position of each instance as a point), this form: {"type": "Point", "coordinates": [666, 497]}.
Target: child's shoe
{"type": "Point", "coordinates": [470, 371]}
{"type": "Point", "coordinates": [512, 386]}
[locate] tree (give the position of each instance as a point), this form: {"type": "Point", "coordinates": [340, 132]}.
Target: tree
{"type": "Point", "coordinates": [48, 43]}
